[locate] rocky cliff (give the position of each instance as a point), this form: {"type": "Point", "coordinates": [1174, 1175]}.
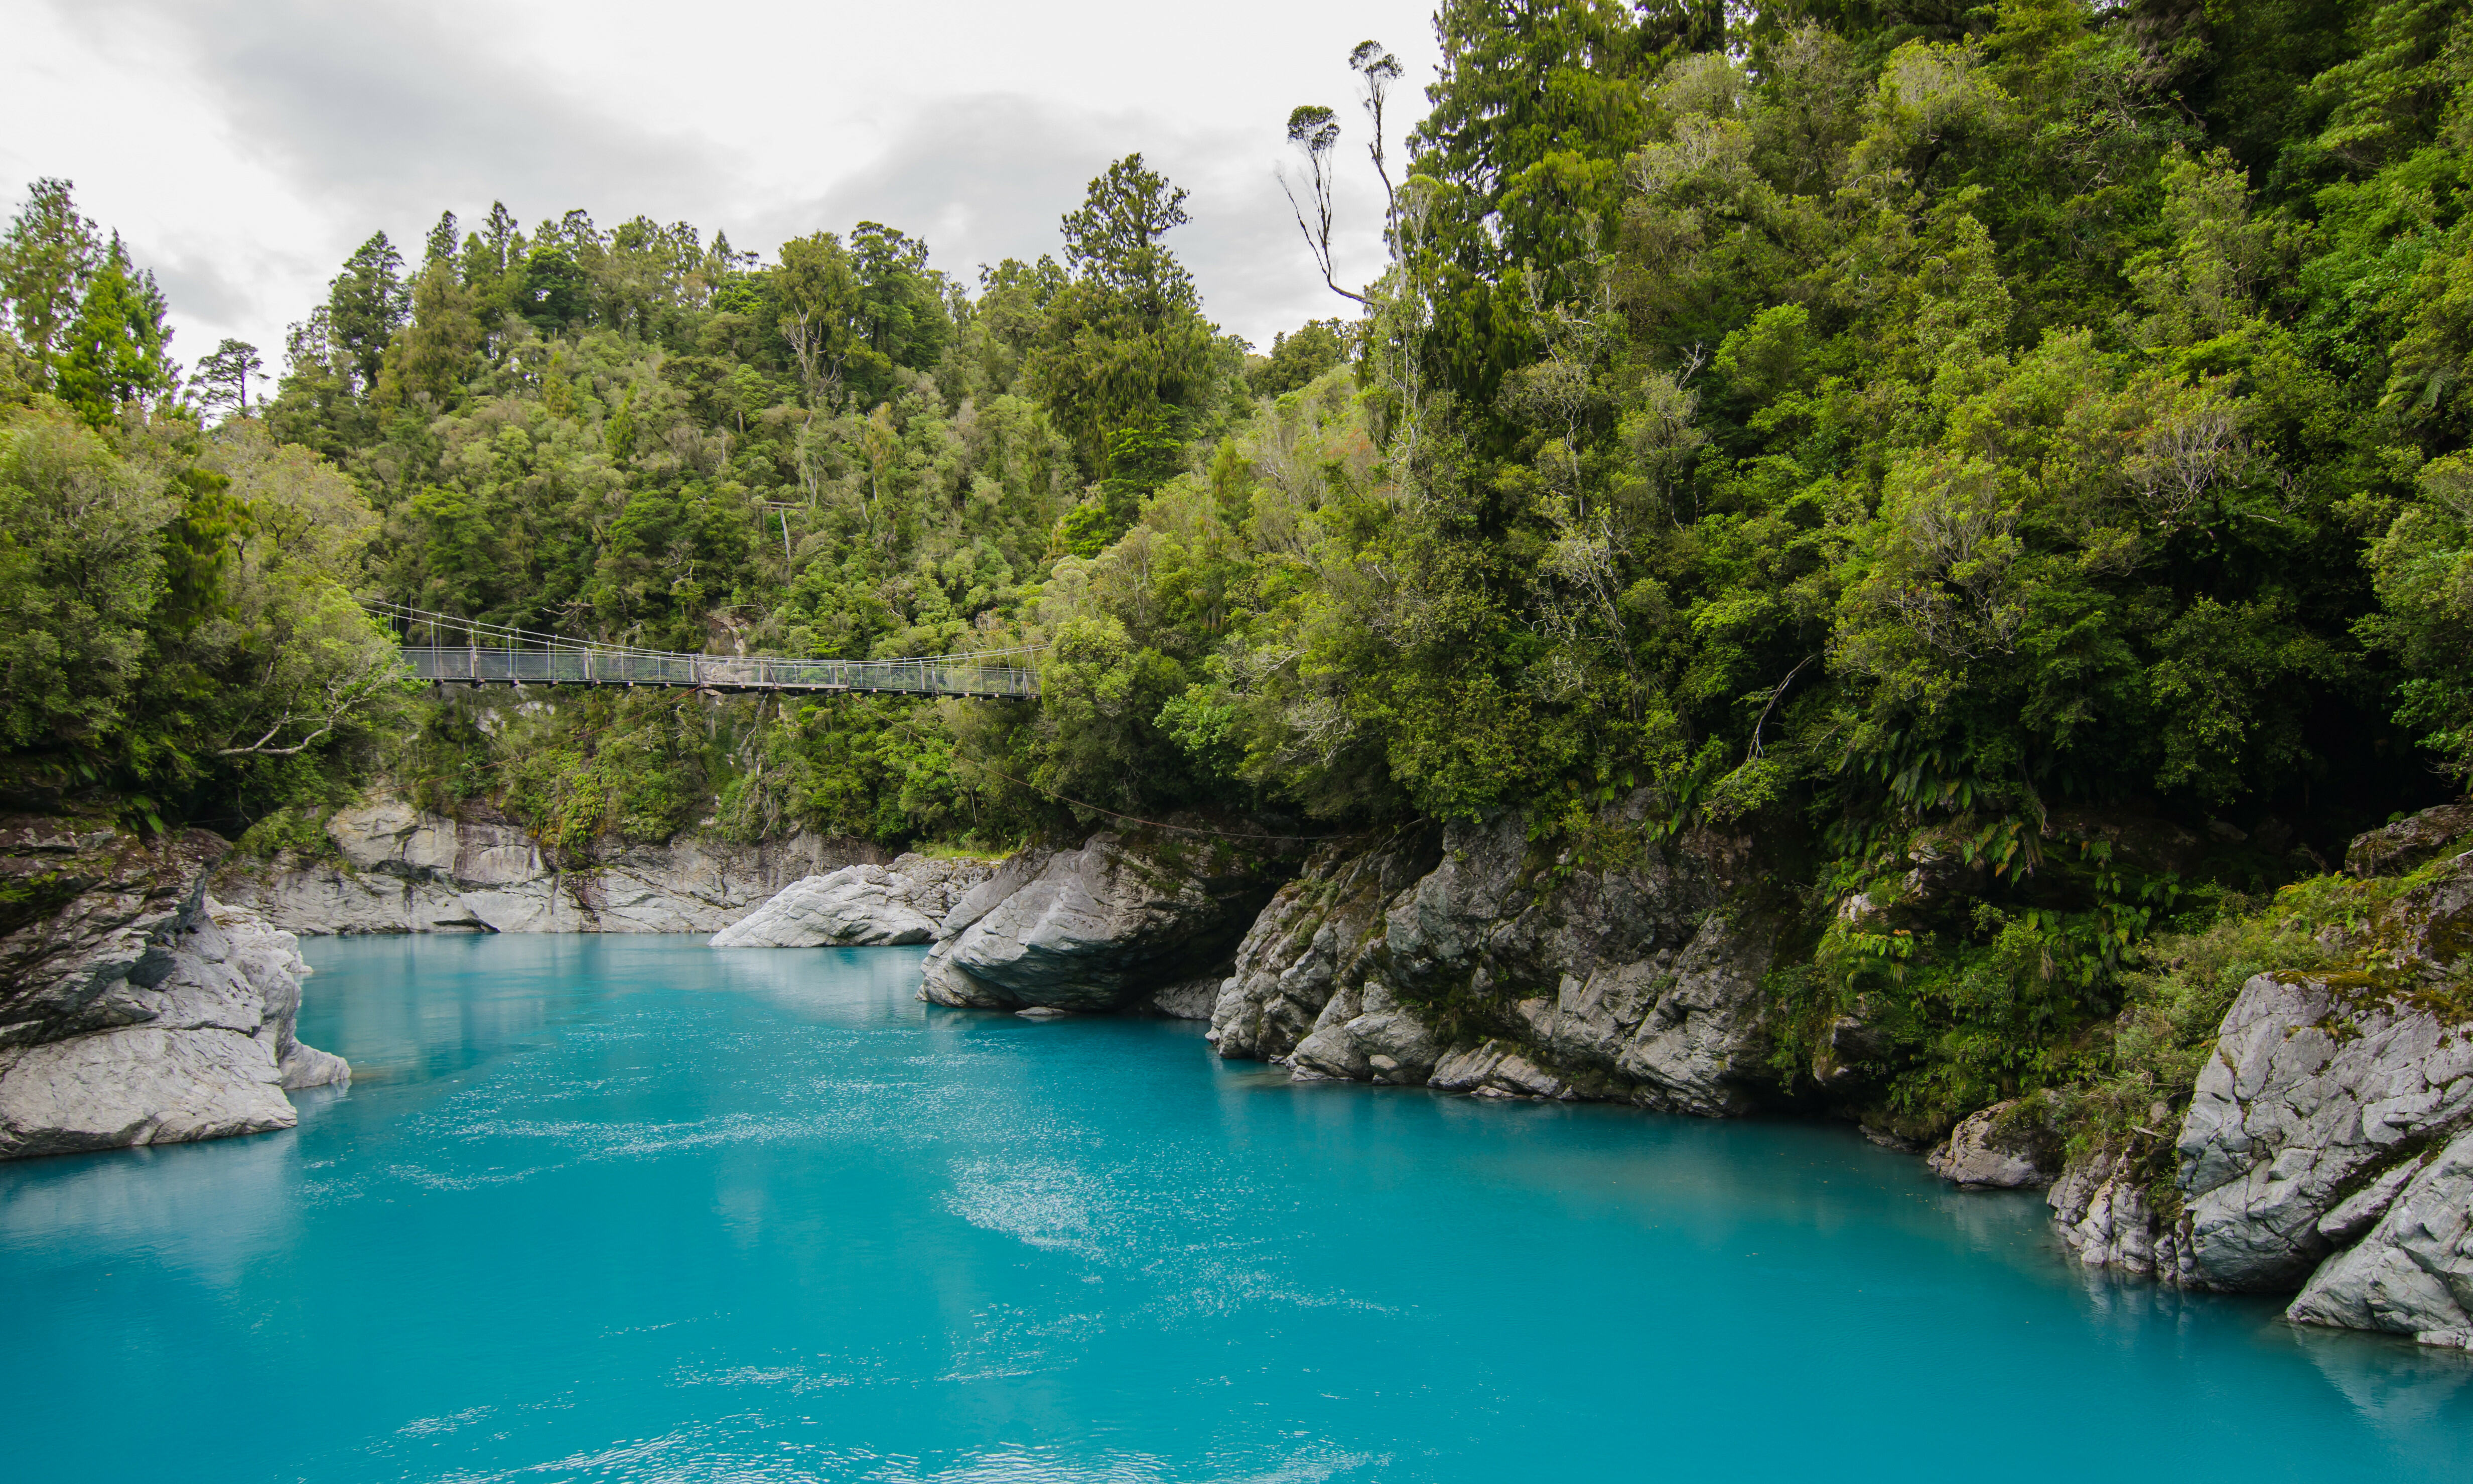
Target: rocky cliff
{"type": "Point", "coordinates": [133, 1008]}
{"type": "Point", "coordinates": [2328, 1144]}
{"type": "Point", "coordinates": [1465, 961]}
{"type": "Point", "coordinates": [394, 869]}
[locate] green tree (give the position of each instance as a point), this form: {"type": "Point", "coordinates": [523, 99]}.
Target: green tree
{"type": "Point", "coordinates": [900, 309]}
{"type": "Point", "coordinates": [440, 246]}
{"type": "Point", "coordinates": [1297, 357]}
{"type": "Point", "coordinates": [1125, 336]}
{"type": "Point", "coordinates": [223, 376]}
{"type": "Point", "coordinates": [47, 257]}
{"type": "Point", "coordinates": [431, 357]}
{"type": "Point", "coordinates": [1533, 111]}
{"type": "Point", "coordinates": [817, 290]}
{"type": "Point", "coordinates": [81, 568]}
{"type": "Point", "coordinates": [553, 290]}
{"type": "Point", "coordinates": [115, 351]}
{"type": "Point", "coordinates": [366, 303]}
{"type": "Point", "coordinates": [314, 403]}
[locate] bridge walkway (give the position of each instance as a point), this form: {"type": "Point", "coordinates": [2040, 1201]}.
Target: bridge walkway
{"type": "Point", "coordinates": [496, 655]}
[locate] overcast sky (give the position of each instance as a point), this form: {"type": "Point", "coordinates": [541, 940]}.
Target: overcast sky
{"type": "Point", "coordinates": [243, 147]}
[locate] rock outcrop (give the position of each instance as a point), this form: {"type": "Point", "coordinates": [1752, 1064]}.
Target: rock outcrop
{"type": "Point", "coordinates": [2015, 1145]}
{"type": "Point", "coordinates": [2311, 1098]}
{"type": "Point", "coordinates": [2412, 841]}
{"type": "Point", "coordinates": [134, 1009]}
{"type": "Point", "coordinates": [2107, 1215]}
{"type": "Point", "coordinates": [1109, 927]}
{"type": "Point", "coordinates": [1467, 963]}
{"type": "Point", "coordinates": [2412, 1273]}
{"type": "Point", "coordinates": [860, 907]}
{"type": "Point", "coordinates": [2328, 1144]}
{"type": "Point", "coordinates": [395, 869]}
{"type": "Point", "coordinates": [2314, 1114]}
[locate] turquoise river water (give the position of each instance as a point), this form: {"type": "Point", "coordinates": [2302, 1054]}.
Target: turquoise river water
{"type": "Point", "coordinates": [604, 1208]}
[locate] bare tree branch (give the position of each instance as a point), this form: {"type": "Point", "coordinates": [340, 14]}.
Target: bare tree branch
{"type": "Point", "coordinates": [342, 696]}
{"type": "Point", "coordinates": [1314, 131]}
{"type": "Point", "coordinates": [1378, 69]}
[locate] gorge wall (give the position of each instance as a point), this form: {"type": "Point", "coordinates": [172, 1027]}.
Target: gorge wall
{"type": "Point", "coordinates": [1465, 959]}
{"type": "Point", "coordinates": [1145, 925]}
{"type": "Point", "coordinates": [391, 867]}
{"type": "Point", "coordinates": [1460, 958]}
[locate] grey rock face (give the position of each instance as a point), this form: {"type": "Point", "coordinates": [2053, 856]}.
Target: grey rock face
{"type": "Point", "coordinates": [2307, 1099]}
{"type": "Point", "coordinates": [859, 906]}
{"type": "Point", "coordinates": [1187, 999]}
{"type": "Point", "coordinates": [2107, 1218]}
{"type": "Point", "coordinates": [2413, 1272]}
{"type": "Point", "coordinates": [139, 1012]}
{"type": "Point", "coordinates": [99, 913]}
{"type": "Point", "coordinates": [1308, 943]}
{"type": "Point", "coordinates": [1364, 1034]}
{"type": "Point", "coordinates": [398, 870]}
{"type": "Point", "coordinates": [2308, 1120]}
{"type": "Point", "coordinates": [2328, 1146]}
{"type": "Point", "coordinates": [2411, 843]}
{"type": "Point", "coordinates": [938, 882]}
{"type": "Point", "coordinates": [1103, 927]}
{"type": "Point", "coordinates": [1639, 983]}
{"type": "Point", "coordinates": [2008, 1146]}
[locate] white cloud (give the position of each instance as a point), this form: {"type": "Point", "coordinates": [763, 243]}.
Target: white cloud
{"type": "Point", "coordinates": [246, 146]}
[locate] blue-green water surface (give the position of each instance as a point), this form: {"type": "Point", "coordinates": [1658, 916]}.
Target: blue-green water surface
{"type": "Point", "coordinates": [624, 1209]}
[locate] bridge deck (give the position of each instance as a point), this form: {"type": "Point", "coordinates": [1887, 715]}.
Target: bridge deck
{"type": "Point", "coordinates": [589, 665]}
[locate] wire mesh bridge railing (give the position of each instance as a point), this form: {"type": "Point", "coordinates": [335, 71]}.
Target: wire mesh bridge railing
{"type": "Point", "coordinates": [449, 651]}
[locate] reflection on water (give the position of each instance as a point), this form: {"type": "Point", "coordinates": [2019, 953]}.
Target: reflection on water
{"type": "Point", "coordinates": [637, 1209]}
{"type": "Point", "coordinates": [206, 1214]}
{"type": "Point", "coordinates": [2402, 1389]}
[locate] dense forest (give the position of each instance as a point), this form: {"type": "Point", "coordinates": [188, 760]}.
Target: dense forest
{"type": "Point", "coordinates": [1902, 432]}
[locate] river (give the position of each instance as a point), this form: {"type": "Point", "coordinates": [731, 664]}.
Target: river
{"type": "Point", "coordinates": [604, 1208]}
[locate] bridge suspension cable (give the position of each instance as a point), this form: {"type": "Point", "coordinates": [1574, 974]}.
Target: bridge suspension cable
{"type": "Point", "coordinates": [448, 649]}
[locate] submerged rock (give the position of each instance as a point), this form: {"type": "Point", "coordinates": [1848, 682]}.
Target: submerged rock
{"type": "Point", "coordinates": [859, 906]}
{"type": "Point", "coordinates": [135, 1010]}
{"type": "Point", "coordinates": [1464, 962]}
{"type": "Point", "coordinates": [1104, 927]}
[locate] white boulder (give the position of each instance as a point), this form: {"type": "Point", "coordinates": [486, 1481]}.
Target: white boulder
{"type": "Point", "coordinates": [859, 906]}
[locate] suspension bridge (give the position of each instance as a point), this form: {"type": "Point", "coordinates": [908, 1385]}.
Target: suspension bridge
{"type": "Point", "coordinates": [449, 651]}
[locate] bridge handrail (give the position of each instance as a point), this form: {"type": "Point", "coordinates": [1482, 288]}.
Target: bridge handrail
{"type": "Point", "coordinates": [672, 666]}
